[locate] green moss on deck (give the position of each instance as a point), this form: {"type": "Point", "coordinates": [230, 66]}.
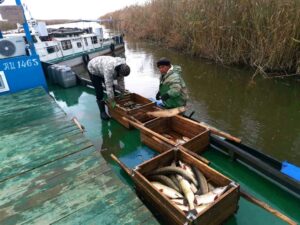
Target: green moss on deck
{"type": "Point", "coordinates": [50, 173]}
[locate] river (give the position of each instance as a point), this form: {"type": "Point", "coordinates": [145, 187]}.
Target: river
{"type": "Point", "coordinates": [264, 114]}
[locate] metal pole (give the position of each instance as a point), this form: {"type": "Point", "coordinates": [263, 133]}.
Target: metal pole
{"type": "Point", "coordinates": [27, 31]}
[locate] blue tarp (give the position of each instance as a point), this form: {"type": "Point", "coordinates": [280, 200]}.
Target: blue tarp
{"type": "Point", "coordinates": [290, 170]}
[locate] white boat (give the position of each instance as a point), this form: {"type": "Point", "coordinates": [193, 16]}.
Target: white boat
{"type": "Point", "coordinates": [67, 46]}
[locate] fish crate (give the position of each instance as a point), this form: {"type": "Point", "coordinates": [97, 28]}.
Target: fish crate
{"type": "Point", "coordinates": [214, 213]}
{"type": "Point", "coordinates": [140, 115]}
{"type": "Point", "coordinates": [164, 133]}
{"type": "Point", "coordinates": [126, 105]}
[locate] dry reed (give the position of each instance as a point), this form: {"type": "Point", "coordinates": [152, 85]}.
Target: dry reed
{"type": "Point", "coordinates": [260, 33]}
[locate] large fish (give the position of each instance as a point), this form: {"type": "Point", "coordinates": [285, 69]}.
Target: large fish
{"type": "Point", "coordinates": [186, 189]}
{"type": "Point", "coordinates": [179, 201]}
{"type": "Point", "coordinates": [203, 186]}
{"type": "Point", "coordinates": [167, 112]}
{"type": "Point", "coordinates": [210, 196]}
{"type": "Point", "coordinates": [164, 180]}
{"type": "Point", "coordinates": [167, 191]}
{"type": "Point", "coordinates": [174, 170]}
{"type": "Point", "coordinates": [186, 167]}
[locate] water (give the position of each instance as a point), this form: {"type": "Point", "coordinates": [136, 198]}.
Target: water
{"type": "Point", "coordinates": [265, 115]}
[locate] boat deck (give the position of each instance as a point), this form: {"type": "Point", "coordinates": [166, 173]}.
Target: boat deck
{"type": "Point", "coordinates": [51, 173]}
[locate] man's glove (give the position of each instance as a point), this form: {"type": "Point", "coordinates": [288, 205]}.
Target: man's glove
{"type": "Point", "coordinates": [164, 97]}
{"type": "Point", "coordinates": [158, 97]}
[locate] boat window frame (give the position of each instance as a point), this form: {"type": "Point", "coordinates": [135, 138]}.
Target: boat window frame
{"type": "Point", "coordinates": [79, 45]}
{"type": "Point", "coordinates": [66, 44]}
{"type": "Point", "coordinates": [86, 41]}
{"type": "Point", "coordinates": [94, 40]}
{"type": "Point", "coordinates": [53, 49]}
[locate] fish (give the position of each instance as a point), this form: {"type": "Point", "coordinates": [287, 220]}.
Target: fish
{"type": "Point", "coordinates": [167, 112]}
{"type": "Point", "coordinates": [186, 167]}
{"type": "Point", "coordinates": [174, 170]}
{"type": "Point", "coordinates": [179, 141]}
{"type": "Point", "coordinates": [193, 188]}
{"type": "Point", "coordinates": [167, 136]}
{"type": "Point", "coordinates": [220, 190]}
{"type": "Point", "coordinates": [175, 181]}
{"type": "Point", "coordinates": [186, 139]}
{"type": "Point", "coordinates": [164, 180]}
{"type": "Point", "coordinates": [210, 196]}
{"type": "Point", "coordinates": [179, 201]}
{"type": "Point", "coordinates": [203, 187]}
{"type": "Point", "coordinates": [186, 189]}
{"type": "Point", "coordinates": [206, 198]}
{"type": "Point", "coordinates": [210, 187]}
{"type": "Point", "coordinates": [167, 191]}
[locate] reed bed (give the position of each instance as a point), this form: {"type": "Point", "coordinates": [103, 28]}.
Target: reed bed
{"type": "Point", "coordinates": [261, 33]}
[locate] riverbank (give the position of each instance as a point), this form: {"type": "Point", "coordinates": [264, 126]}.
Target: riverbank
{"type": "Point", "coordinates": [263, 35]}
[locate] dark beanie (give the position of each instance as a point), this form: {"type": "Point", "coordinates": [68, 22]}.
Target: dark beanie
{"type": "Point", "coordinates": [163, 62]}
{"type": "Point", "coordinates": [124, 70]}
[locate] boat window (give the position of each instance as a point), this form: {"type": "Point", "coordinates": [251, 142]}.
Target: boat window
{"type": "Point", "coordinates": [51, 49]}
{"type": "Point", "coordinates": [66, 45]}
{"type": "Point", "coordinates": [34, 39]}
{"type": "Point", "coordinates": [94, 40]}
{"type": "Point", "coordinates": [79, 45]}
{"type": "Point", "coordinates": [86, 42]}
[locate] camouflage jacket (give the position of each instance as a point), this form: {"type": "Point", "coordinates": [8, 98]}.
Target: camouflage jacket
{"type": "Point", "coordinates": [104, 66]}
{"type": "Point", "coordinates": [172, 84]}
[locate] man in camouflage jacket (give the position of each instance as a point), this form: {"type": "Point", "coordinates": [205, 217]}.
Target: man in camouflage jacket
{"type": "Point", "coordinates": [106, 69]}
{"type": "Point", "coordinates": [172, 89]}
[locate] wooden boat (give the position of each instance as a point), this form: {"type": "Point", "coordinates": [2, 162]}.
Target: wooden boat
{"type": "Point", "coordinates": [161, 134]}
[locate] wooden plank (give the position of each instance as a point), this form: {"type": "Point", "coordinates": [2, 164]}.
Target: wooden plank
{"type": "Point", "coordinates": [119, 196]}
{"type": "Point", "coordinates": [23, 137]}
{"type": "Point", "coordinates": [50, 173]}
{"type": "Point", "coordinates": [114, 216]}
{"type": "Point", "coordinates": [58, 171]}
{"type": "Point", "coordinates": [14, 167]}
{"type": "Point", "coordinates": [50, 209]}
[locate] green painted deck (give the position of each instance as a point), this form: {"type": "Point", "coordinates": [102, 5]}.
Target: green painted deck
{"type": "Point", "coordinates": [50, 173]}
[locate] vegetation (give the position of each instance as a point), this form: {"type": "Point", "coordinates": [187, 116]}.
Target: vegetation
{"type": "Point", "coordinates": [53, 22]}
{"type": "Point", "coordinates": [260, 33]}
{"type": "Point", "coordinates": [7, 26]}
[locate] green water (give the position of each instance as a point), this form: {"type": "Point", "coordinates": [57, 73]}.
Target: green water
{"type": "Point", "coordinates": [112, 137]}
{"type": "Point", "coordinates": [265, 115]}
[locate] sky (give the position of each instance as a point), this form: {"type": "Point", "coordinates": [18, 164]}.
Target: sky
{"type": "Point", "coordinates": [73, 9]}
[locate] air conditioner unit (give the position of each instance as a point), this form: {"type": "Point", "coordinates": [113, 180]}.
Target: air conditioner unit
{"type": "Point", "coordinates": [11, 47]}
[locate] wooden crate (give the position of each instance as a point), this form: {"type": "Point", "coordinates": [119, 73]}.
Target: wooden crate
{"type": "Point", "coordinates": [140, 115]}
{"type": "Point", "coordinates": [122, 110]}
{"type": "Point", "coordinates": [161, 134]}
{"type": "Point", "coordinates": [215, 213]}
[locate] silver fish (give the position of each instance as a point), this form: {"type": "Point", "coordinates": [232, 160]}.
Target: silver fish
{"type": "Point", "coordinates": [203, 187]}
{"type": "Point", "coordinates": [167, 191]}
{"type": "Point", "coordinates": [174, 170]}
{"type": "Point", "coordinates": [164, 180]}
{"type": "Point", "coordinates": [186, 189]}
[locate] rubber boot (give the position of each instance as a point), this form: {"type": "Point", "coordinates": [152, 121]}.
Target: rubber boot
{"type": "Point", "coordinates": [103, 114]}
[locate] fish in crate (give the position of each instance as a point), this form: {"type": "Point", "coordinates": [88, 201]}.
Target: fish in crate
{"type": "Point", "coordinates": [186, 190]}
